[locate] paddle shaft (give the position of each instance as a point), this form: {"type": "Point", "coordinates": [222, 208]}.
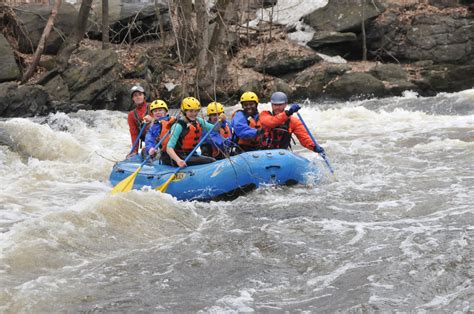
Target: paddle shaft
{"type": "Point", "coordinates": [164, 186]}
{"type": "Point", "coordinates": [315, 143]}
{"type": "Point", "coordinates": [138, 138]}
{"type": "Point", "coordinates": [200, 143]}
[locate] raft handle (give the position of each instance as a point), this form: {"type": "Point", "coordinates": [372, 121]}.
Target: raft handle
{"type": "Point", "coordinates": [273, 166]}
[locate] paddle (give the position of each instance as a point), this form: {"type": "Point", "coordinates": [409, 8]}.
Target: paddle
{"type": "Point", "coordinates": [164, 186]}
{"type": "Point", "coordinates": [138, 138]}
{"type": "Point", "coordinates": [126, 184]}
{"type": "Point", "coordinates": [323, 154]}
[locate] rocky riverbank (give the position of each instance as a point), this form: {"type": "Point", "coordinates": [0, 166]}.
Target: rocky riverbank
{"type": "Point", "coordinates": [426, 48]}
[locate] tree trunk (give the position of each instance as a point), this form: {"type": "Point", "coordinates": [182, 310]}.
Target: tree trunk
{"type": "Point", "coordinates": [105, 24]}
{"type": "Point", "coordinates": [44, 37]}
{"type": "Point", "coordinates": [364, 38]}
{"type": "Point", "coordinates": [182, 11]}
{"type": "Point", "coordinates": [204, 67]}
{"type": "Point", "coordinates": [74, 39]}
{"type": "Point", "coordinates": [213, 60]}
{"type": "Point", "coordinates": [161, 24]}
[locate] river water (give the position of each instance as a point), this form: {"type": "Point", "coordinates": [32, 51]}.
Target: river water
{"type": "Point", "coordinates": [395, 232]}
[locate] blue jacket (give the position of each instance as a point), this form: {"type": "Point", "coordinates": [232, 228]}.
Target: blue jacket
{"type": "Point", "coordinates": [154, 133]}
{"type": "Point", "coordinates": [241, 127]}
{"type": "Point", "coordinates": [215, 139]}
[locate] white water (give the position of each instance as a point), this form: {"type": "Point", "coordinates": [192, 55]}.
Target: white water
{"type": "Point", "coordinates": [394, 233]}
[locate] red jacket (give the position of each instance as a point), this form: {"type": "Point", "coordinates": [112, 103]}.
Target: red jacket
{"type": "Point", "coordinates": [134, 125]}
{"type": "Point", "coordinates": [270, 121]}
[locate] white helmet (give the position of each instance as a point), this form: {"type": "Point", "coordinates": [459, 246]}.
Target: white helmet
{"type": "Point", "coordinates": [136, 88]}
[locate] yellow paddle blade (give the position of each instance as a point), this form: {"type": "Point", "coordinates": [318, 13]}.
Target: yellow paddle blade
{"type": "Point", "coordinates": [126, 184]}
{"type": "Point", "coordinates": [164, 186]}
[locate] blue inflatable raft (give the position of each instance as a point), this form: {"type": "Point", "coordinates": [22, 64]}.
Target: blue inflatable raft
{"type": "Point", "coordinates": [224, 179]}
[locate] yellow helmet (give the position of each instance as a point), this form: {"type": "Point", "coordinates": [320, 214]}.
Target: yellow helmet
{"type": "Point", "coordinates": [249, 96]}
{"type": "Point", "coordinates": [215, 108]}
{"type": "Point", "coordinates": [158, 104]}
{"type": "Point", "coordinates": [190, 103]}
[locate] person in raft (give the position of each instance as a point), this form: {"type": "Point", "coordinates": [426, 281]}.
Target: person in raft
{"type": "Point", "coordinates": [279, 124]}
{"type": "Point", "coordinates": [138, 118]}
{"type": "Point", "coordinates": [185, 134]}
{"type": "Point", "coordinates": [218, 144]}
{"type": "Point", "coordinates": [247, 131]}
{"type": "Point", "coordinates": [159, 111]}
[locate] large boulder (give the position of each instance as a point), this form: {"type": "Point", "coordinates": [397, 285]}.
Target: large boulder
{"type": "Point", "coordinates": [30, 20]}
{"type": "Point", "coordinates": [98, 70]}
{"type": "Point", "coordinates": [10, 71]}
{"type": "Point", "coordinates": [342, 18]}
{"type": "Point", "coordinates": [446, 78]}
{"type": "Point", "coordinates": [89, 74]}
{"type": "Point", "coordinates": [23, 101]}
{"type": "Point", "coordinates": [389, 72]}
{"type": "Point", "coordinates": [281, 63]}
{"type": "Point", "coordinates": [312, 83]}
{"type": "Point", "coordinates": [328, 37]}
{"type": "Point", "coordinates": [445, 37]}
{"type": "Point", "coordinates": [131, 21]}
{"type": "Point", "coordinates": [355, 85]}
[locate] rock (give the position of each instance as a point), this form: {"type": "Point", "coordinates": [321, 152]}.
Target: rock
{"type": "Point", "coordinates": [397, 87]}
{"type": "Point", "coordinates": [355, 85]}
{"type": "Point", "coordinates": [311, 84]}
{"type": "Point", "coordinates": [99, 70]}
{"type": "Point", "coordinates": [31, 20]}
{"type": "Point", "coordinates": [389, 72]}
{"type": "Point", "coordinates": [140, 70]}
{"type": "Point", "coordinates": [278, 64]}
{"type": "Point", "coordinates": [250, 62]}
{"type": "Point", "coordinates": [442, 38]}
{"type": "Point", "coordinates": [23, 101]}
{"type": "Point", "coordinates": [89, 74]}
{"type": "Point", "coordinates": [342, 18]}
{"type": "Point", "coordinates": [131, 22]}
{"type": "Point", "coordinates": [57, 89]}
{"type": "Point", "coordinates": [446, 78]}
{"type": "Point", "coordinates": [327, 37]}
{"type": "Point", "coordinates": [10, 71]}
{"type": "Point", "coordinates": [279, 85]}
{"type": "Point", "coordinates": [444, 3]}
{"type": "Point", "coordinates": [255, 86]}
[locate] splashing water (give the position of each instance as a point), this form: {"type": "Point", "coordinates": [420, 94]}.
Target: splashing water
{"type": "Point", "coordinates": [394, 233]}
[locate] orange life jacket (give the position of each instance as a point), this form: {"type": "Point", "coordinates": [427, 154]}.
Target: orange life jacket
{"type": "Point", "coordinates": [165, 130]}
{"type": "Point", "coordinates": [253, 142]}
{"type": "Point", "coordinates": [225, 132]}
{"type": "Point", "coordinates": [189, 137]}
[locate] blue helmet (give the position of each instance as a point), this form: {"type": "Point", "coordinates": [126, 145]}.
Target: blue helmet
{"type": "Point", "coordinates": [279, 98]}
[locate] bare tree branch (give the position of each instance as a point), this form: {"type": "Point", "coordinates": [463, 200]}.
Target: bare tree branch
{"type": "Point", "coordinates": [44, 37]}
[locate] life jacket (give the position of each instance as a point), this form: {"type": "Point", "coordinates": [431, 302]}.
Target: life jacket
{"type": "Point", "coordinates": [248, 142]}
{"type": "Point", "coordinates": [165, 130]}
{"type": "Point", "coordinates": [278, 137]}
{"type": "Point", "coordinates": [140, 123]}
{"type": "Point", "coordinates": [189, 137]}
{"type": "Point", "coordinates": [215, 152]}
{"type": "Point", "coordinates": [225, 131]}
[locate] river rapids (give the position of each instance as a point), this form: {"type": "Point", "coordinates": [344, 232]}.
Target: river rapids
{"type": "Point", "coordinates": [394, 232]}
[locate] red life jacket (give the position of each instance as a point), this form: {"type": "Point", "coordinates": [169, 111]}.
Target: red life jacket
{"type": "Point", "coordinates": [278, 137]}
